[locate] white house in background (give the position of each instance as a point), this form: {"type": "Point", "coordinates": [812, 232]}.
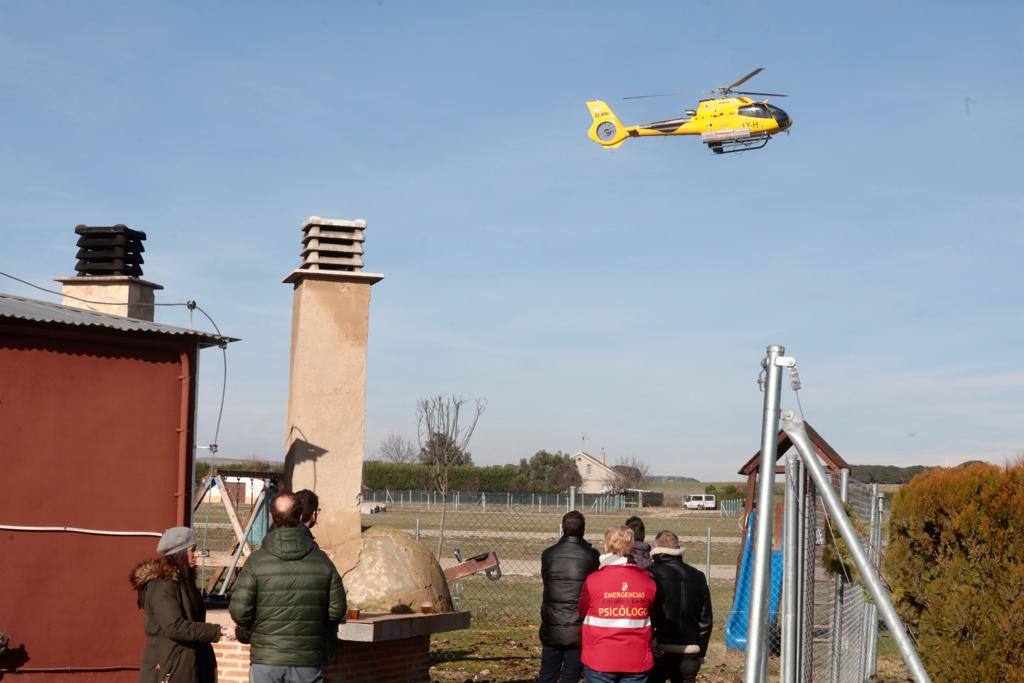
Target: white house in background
{"type": "Point", "coordinates": [597, 476]}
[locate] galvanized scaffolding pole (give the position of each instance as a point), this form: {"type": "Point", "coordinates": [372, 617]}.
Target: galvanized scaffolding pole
{"type": "Point", "coordinates": [876, 559]}
{"type": "Point", "coordinates": [839, 598]}
{"type": "Point", "coordinates": [794, 428]}
{"type": "Point", "coordinates": [790, 572]}
{"type": "Point", "coordinates": [806, 621]}
{"type": "Point", "coordinates": [868, 615]}
{"type": "Point", "coordinates": [755, 668]}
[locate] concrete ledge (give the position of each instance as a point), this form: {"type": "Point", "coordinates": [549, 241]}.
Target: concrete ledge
{"type": "Point", "coordinates": [373, 628]}
{"type": "Point", "coordinates": [300, 274]}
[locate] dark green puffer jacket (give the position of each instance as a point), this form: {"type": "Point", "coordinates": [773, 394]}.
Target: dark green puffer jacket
{"type": "Point", "coordinates": [290, 596]}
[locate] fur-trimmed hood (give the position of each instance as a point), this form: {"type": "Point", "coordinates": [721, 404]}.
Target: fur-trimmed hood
{"type": "Point", "coordinates": [148, 570]}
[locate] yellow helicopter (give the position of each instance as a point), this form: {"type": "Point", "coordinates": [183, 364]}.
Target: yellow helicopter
{"type": "Point", "coordinates": [725, 124]}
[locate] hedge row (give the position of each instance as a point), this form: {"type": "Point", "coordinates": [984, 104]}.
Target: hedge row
{"type": "Point", "coordinates": [388, 475]}
{"type": "Point", "coordinates": [955, 561]}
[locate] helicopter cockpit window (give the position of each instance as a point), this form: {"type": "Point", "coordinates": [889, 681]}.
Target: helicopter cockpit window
{"type": "Point", "coordinates": [756, 110]}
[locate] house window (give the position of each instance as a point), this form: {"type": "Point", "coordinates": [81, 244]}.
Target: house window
{"type": "Point", "coordinates": [588, 470]}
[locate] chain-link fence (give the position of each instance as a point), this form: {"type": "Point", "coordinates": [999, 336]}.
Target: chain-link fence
{"type": "Point", "coordinates": [496, 501]}
{"type": "Point", "coordinates": [839, 625]}
{"type": "Point", "coordinates": [518, 527]}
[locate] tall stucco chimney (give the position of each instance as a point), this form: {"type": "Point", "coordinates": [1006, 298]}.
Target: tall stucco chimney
{"type": "Point", "coordinates": [325, 432]}
{"type": "Point", "coordinates": [109, 273]}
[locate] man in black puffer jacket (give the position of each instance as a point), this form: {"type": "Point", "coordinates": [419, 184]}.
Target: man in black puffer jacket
{"type": "Point", "coordinates": [564, 567]}
{"type": "Point", "coordinates": [290, 596]}
{"type": "Point", "coordinates": [681, 614]}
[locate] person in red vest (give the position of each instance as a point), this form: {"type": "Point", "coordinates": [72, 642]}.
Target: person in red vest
{"type": "Point", "coordinates": [616, 608]}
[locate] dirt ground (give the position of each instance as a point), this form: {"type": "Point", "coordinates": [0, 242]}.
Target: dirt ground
{"type": "Point", "coordinates": [513, 656]}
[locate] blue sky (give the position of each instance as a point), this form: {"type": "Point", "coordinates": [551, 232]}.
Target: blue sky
{"type": "Point", "coordinates": [627, 295]}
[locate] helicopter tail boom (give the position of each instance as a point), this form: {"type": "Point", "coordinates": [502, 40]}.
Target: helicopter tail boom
{"type": "Point", "coordinates": [606, 130]}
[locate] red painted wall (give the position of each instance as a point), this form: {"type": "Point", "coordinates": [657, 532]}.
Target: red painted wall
{"type": "Point", "coordinates": [90, 436]}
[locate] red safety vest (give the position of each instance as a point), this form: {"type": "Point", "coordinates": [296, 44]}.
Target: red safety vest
{"type": "Point", "coordinates": [615, 605]}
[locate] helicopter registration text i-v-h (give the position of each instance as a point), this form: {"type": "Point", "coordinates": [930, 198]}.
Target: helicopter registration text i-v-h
{"type": "Point", "coordinates": [730, 122]}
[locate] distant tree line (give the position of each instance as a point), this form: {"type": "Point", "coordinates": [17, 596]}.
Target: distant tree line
{"type": "Point", "coordinates": [544, 472]}
{"type": "Point", "coordinates": [886, 474]}
{"type": "Point", "coordinates": [726, 492]}
{"type": "Point", "coordinates": [204, 467]}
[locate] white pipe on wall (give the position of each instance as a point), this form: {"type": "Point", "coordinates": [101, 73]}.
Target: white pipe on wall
{"type": "Point", "coordinates": [78, 530]}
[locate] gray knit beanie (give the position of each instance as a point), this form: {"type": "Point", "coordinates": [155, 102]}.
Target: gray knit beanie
{"type": "Point", "coordinates": [176, 539]}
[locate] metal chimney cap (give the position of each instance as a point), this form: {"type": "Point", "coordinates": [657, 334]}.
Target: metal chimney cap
{"type": "Point", "coordinates": [109, 250]}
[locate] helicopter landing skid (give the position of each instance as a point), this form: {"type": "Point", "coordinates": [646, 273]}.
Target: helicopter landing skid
{"type": "Point", "coordinates": [732, 146]}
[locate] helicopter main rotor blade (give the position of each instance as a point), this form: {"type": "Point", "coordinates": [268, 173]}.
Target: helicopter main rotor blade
{"type": "Point", "coordinates": [766, 94]}
{"type": "Point", "coordinates": [664, 94]}
{"type": "Point", "coordinates": [745, 78]}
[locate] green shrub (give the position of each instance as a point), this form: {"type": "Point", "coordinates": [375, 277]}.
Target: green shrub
{"type": "Point", "coordinates": [378, 476]}
{"type": "Point", "coordinates": [835, 554]}
{"type": "Point", "coordinates": [955, 562]}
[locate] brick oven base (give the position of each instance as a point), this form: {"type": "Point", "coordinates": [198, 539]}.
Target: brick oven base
{"type": "Point", "coordinates": [378, 648]}
{"type": "Point", "coordinates": [406, 660]}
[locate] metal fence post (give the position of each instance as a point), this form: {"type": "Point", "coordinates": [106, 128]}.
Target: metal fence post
{"type": "Point", "coordinates": [871, 664]}
{"type": "Point", "coordinates": [806, 577]}
{"type": "Point", "coordinates": [707, 563]}
{"type": "Point", "coordinates": [572, 498]}
{"type": "Point", "coordinates": [417, 528]}
{"type": "Point", "coordinates": [483, 501]}
{"type": "Point", "coordinates": [790, 571]}
{"type": "Point", "coordinates": [756, 664]}
{"type": "Point", "coordinates": [865, 628]}
{"type": "Point", "coordinates": [840, 592]}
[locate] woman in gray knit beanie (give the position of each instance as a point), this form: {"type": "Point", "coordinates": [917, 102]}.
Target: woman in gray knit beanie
{"type": "Point", "coordinates": [178, 645]}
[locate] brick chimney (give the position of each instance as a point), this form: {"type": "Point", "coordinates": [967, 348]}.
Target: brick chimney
{"type": "Point", "coordinates": [109, 273]}
{"type": "Point", "coordinates": [326, 425]}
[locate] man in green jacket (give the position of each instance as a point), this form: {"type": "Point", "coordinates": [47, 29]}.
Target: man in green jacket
{"type": "Point", "coordinates": [290, 596]}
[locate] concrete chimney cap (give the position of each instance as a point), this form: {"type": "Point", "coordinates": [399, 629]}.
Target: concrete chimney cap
{"type": "Point", "coordinates": [334, 222]}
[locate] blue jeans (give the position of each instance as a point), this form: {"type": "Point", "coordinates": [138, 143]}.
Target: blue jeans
{"type": "Point", "coordinates": [591, 676]}
{"type": "Point", "coordinates": [266, 673]}
{"type": "Point", "coordinates": [559, 663]}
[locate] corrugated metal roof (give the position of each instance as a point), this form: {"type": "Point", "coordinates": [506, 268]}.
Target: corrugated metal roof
{"type": "Point", "coordinates": [20, 308]}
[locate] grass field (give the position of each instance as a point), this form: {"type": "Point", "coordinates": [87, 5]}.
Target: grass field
{"type": "Point", "coordinates": [502, 644]}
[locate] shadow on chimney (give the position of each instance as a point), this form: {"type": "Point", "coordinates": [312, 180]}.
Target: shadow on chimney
{"type": "Point", "coordinates": [301, 451]}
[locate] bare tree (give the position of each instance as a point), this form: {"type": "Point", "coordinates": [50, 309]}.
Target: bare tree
{"type": "Point", "coordinates": [634, 470]}
{"type": "Point", "coordinates": [396, 448]}
{"type": "Point", "coordinates": [445, 425]}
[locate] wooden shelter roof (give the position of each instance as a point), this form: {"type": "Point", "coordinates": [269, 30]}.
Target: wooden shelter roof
{"type": "Point", "coordinates": [829, 455]}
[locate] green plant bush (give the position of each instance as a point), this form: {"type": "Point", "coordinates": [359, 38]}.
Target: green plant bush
{"type": "Point", "coordinates": [955, 561]}
{"type": "Point", "coordinates": [835, 554]}
{"type": "Point", "coordinates": [378, 476]}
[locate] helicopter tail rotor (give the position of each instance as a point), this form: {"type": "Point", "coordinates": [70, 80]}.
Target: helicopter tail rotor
{"type": "Point", "coordinates": [606, 130]}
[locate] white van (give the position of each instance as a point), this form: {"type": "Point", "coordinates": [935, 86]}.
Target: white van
{"type": "Point", "coordinates": [700, 501]}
